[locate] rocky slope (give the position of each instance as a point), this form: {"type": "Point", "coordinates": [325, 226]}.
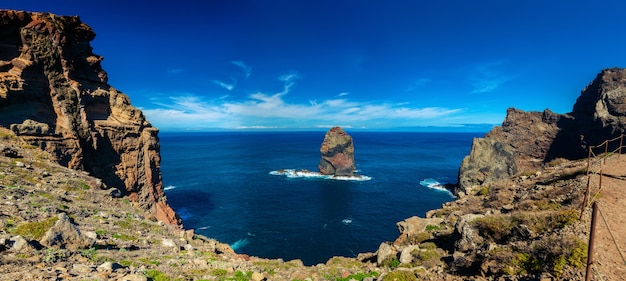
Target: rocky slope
{"type": "Point", "coordinates": [526, 141]}
{"type": "Point", "coordinates": [54, 95]}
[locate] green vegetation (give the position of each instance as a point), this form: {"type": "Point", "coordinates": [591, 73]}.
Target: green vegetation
{"type": "Point", "coordinates": [34, 230]}
{"type": "Point", "coordinates": [400, 275]}
{"type": "Point", "coordinates": [431, 227]}
{"type": "Point", "coordinates": [484, 190]}
{"type": "Point", "coordinates": [124, 237]}
{"type": "Point", "coordinates": [156, 275]}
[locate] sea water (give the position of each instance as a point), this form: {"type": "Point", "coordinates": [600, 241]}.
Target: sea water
{"type": "Point", "coordinates": [249, 190]}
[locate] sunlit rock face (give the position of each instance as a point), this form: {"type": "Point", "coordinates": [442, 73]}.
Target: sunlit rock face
{"type": "Point", "coordinates": [54, 94]}
{"type": "Point", "coordinates": [337, 153]}
{"type": "Point", "coordinates": [527, 141]}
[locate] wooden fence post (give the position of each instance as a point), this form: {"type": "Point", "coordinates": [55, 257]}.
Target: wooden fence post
{"type": "Point", "coordinates": [592, 239]}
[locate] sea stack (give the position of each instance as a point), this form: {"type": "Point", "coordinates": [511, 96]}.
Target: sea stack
{"type": "Point", "coordinates": [337, 153]}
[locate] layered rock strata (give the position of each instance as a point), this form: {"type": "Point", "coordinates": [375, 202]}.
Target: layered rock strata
{"type": "Point", "coordinates": [54, 94]}
{"type": "Point", "coordinates": [337, 152]}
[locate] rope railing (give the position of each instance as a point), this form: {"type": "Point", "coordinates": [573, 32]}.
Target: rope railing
{"type": "Point", "coordinates": [595, 166]}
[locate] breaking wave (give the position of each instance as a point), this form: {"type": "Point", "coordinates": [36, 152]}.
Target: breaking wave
{"type": "Point", "coordinates": [433, 184]}
{"type": "Point", "coordinates": [240, 244]}
{"type": "Point", "coordinates": [169, 187]}
{"type": "Point", "coordinates": [293, 173]}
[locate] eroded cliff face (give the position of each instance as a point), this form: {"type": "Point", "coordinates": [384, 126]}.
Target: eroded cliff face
{"type": "Point", "coordinates": [54, 94]}
{"type": "Point", "coordinates": [526, 141]}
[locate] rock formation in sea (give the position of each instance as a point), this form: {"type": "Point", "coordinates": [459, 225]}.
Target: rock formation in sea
{"type": "Point", "coordinates": [337, 153]}
{"type": "Point", "coordinates": [528, 140]}
{"type": "Point", "coordinates": [54, 95]}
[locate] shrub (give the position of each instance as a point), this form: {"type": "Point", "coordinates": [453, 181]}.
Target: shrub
{"type": "Point", "coordinates": [156, 275]}
{"type": "Point", "coordinates": [495, 227]}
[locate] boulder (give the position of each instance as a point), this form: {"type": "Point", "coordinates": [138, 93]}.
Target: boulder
{"type": "Point", "coordinates": [65, 235]}
{"type": "Point", "coordinates": [411, 228]}
{"type": "Point", "coordinates": [468, 237]}
{"type": "Point", "coordinates": [337, 153]}
{"type": "Point", "coordinates": [406, 255]}
{"type": "Point", "coordinates": [385, 253]}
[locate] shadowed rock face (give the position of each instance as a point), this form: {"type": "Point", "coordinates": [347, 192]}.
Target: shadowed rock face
{"type": "Point", "coordinates": [54, 95]}
{"type": "Point", "coordinates": [528, 140]}
{"type": "Point", "coordinates": [337, 153]}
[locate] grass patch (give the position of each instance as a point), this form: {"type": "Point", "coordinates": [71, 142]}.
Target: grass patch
{"type": "Point", "coordinates": [156, 275]}
{"type": "Point", "coordinates": [124, 237]}
{"type": "Point", "coordinates": [359, 276]}
{"type": "Point", "coordinates": [34, 230]}
{"type": "Point", "coordinates": [400, 275]}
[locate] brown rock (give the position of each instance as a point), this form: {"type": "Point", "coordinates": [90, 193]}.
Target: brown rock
{"type": "Point", "coordinates": [65, 235]}
{"type": "Point", "coordinates": [337, 153]}
{"type": "Point", "coordinates": [54, 95]}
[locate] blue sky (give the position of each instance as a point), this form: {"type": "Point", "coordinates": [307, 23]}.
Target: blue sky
{"type": "Point", "coordinates": [371, 65]}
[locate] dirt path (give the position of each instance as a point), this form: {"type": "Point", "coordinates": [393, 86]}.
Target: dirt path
{"type": "Point", "coordinates": [610, 243]}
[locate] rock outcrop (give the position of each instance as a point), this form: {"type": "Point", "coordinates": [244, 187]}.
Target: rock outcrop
{"type": "Point", "coordinates": [54, 95]}
{"type": "Point", "coordinates": [526, 141]}
{"type": "Point", "coordinates": [337, 153]}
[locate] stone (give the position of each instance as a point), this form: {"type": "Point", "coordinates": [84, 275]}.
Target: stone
{"type": "Point", "coordinates": [412, 227]}
{"type": "Point", "coordinates": [134, 277]}
{"type": "Point", "coordinates": [65, 235]}
{"type": "Point", "coordinates": [337, 153]}
{"type": "Point", "coordinates": [256, 276]}
{"type": "Point", "coordinates": [469, 239]}
{"type": "Point", "coordinates": [82, 268]}
{"type": "Point", "coordinates": [406, 255]}
{"type": "Point", "coordinates": [10, 152]}
{"type": "Point", "coordinates": [59, 100]}
{"type": "Point", "coordinates": [384, 253]}
{"type": "Point", "coordinates": [20, 244]}
{"type": "Point", "coordinates": [168, 243]}
{"type": "Point", "coordinates": [108, 267]}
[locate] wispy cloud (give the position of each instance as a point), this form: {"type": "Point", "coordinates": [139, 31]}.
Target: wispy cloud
{"type": "Point", "coordinates": [487, 78]}
{"type": "Point", "coordinates": [225, 85]}
{"type": "Point", "coordinates": [247, 70]}
{"type": "Point", "coordinates": [270, 111]}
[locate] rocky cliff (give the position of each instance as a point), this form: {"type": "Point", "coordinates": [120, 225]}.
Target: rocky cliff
{"type": "Point", "coordinates": [526, 141]}
{"type": "Point", "coordinates": [337, 153]}
{"type": "Point", "coordinates": [54, 95]}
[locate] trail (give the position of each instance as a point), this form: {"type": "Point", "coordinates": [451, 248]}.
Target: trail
{"type": "Point", "coordinates": [610, 243]}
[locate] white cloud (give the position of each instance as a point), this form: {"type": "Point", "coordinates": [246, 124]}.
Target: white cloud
{"type": "Point", "coordinates": [247, 70]}
{"type": "Point", "coordinates": [225, 85]}
{"type": "Point", "coordinates": [271, 111]}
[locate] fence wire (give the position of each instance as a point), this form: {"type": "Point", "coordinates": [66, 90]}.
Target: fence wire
{"type": "Point", "coordinates": [595, 166]}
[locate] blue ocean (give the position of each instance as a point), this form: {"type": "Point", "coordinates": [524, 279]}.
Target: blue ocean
{"type": "Point", "coordinates": [225, 186]}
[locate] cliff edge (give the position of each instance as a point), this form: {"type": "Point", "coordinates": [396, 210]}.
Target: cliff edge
{"type": "Point", "coordinates": [54, 95]}
{"type": "Point", "coordinates": [527, 141]}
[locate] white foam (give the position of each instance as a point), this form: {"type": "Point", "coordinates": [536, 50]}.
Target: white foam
{"type": "Point", "coordinates": [433, 184]}
{"type": "Point", "coordinates": [346, 221]}
{"type": "Point", "coordinates": [169, 187]}
{"type": "Point", "coordinates": [293, 173]}
{"type": "Point", "coordinates": [240, 244]}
